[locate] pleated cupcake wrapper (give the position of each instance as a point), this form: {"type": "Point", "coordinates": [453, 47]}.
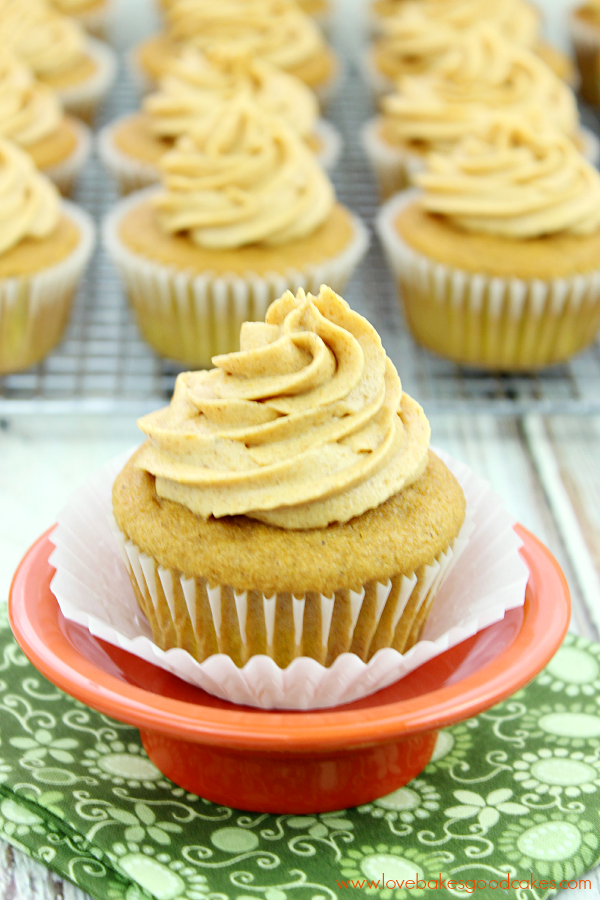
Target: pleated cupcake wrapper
{"type": "Point", "coordinates": [34, 309]}
{"type": "Point", "coordinates": [65, 173]}
{"type": "Point", "coordinates": [83, 99]}
{"type": "Point", "coordinates": [192, 317]}
{"type": "Point", "coordinates": [133, 175]}
{"type": "Point", "coordinates": [395, 167]}
{"type": "Point", "coordinates": [586, 43]}
{"type": "Point", "coordinates": [489, 322]}
{"type": "Point", "coordinates": [93, 588]}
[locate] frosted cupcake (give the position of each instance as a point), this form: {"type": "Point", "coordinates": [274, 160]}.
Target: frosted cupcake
{"type": "Point", "coordinates": [274, 30]}
{"type": "Point", "coordinates": [286, 502]}
{"type": "Point", "coordinates": [483, 77]}
{"type": "Point", "coordinates": [31, 115]}
{"type": "Point", "coordinates": [498, 260]}
{"type": "Point", "coordinates": [45, 245]}
{"type": "Point", "coordinates": [585, 35]}
{"type": "Point", "coordinates": [196, 86]}
{"type": "Point", "coordinates": [79, 68]}
{"type": "Point", "coordinates": [93, 15]}
{"type": "Point", "coordinates": [245, 212]}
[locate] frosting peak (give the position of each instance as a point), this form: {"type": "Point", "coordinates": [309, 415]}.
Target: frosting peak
{"type": "Point", "coordinates": [199, 83]}
{"type": "Point", "coordinates": [514, 182]}
{"type": "Point", "coordinates": [516, 20]}
{"type": "Point", "coordinates": [242, 177]}
{"type": "Point", "coordinates": [28, 200]}
{"type": "Point", "coordinates": [46, 40]}
{"type": "Point", "coordinates": [29, 111]}
{"type": "Point", "coordinates": [305, 426]}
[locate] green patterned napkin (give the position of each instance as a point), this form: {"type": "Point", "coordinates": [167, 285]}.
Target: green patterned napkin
{"type": "Point", "coordinates": [512, 794]}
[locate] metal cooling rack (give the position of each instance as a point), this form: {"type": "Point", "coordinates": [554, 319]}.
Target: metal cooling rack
{"type": "Point", "coordinates": [103, 366]}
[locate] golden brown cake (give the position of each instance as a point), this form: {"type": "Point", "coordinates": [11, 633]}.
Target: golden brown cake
{"type": "Point", "coordinates": [585, 36]}
{"type": "Point", "coordinates": [261, 503]}
{"type": "Point", "coordinates": [498, 261]}
{"type": "Point", "coordinates": [44, 247]}
{"type": "Point", "coordinates": [245, 211]}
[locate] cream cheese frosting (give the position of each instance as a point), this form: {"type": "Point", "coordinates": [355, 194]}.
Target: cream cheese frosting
{"type": "Point", "coordinates": [243, 177]}
{"type": "Point", "coordinates": [515, 19]}
{"type": "Point", "coordinates": [29, 201]}
{"type": "Point", "coordinates": [199, 83]}
{"type": "Point", "coordinates": [275, 30]}
{"type": "Point", "coordinates": [515, 183]}
{"type": "Point", "coordinates": [302, 427]}
{"type": "Point", "coordinates": [47, 41]}
{"type": "Point", "coordinates": [29, 111]}
{"type": "Point", "coordinates": [483, 75]}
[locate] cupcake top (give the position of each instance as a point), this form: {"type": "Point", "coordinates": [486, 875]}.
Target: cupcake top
{"type": "Point", "coordinates": [516, 20]}
{"type": "Point", "coordinates": [301, 428]}
{"type": "Point", "coordinates": [275, 30]}
{"type": "Point", "coordinates": [29, 111]}
{"type": "Point", "coordinates": [484, 75]}
{"type": "Point", "coordinates": [243, 177]}
{"type": "Point", "coordinates": [514, 182]}
{"type": "Point", "coordinates": [47, 41]}
{"type": "Point", "coordinates": [199, 83]}
{"type": "Point", "coordinates": [30, 203]}
{"type": "Point", "coordinates": [415, 43]}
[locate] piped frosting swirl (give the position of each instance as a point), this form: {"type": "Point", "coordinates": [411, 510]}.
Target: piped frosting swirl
{"type": "Point", "coordinates": [29, 111]}
{"type": "Point", "coordinates": [199, 83]}
{"type": "Point", "coordinates": [516, 20]}
{"type": "Point", "coordinates": [29, 201]}
{"type": "Point", "coordinates": [302, 427]}
{"type": "Point", "coordinates": [515, 183]}
{"type": "Point", "coordinates": [483, 75]}
{"type": "Point", "coordinates": [242, 177]}
{"type": "Point", "coordinates": [275, 30]}
{"type": "Point", "coordinates": [47, 41]}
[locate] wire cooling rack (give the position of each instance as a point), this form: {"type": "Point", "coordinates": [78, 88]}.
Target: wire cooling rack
{"type": "Point", "coordinates": [103, 366]}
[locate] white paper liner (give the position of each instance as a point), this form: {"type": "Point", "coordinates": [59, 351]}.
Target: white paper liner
{"type": "Point", "coordinates": [44, 298]}
{"type": "Point", "coordinates": [93, 588]}
{"type": "Point", "coordinates": [64, 174]}
{"type": "Point", "coordinates": [586, 43]}
{"type": "Point", "coordinates": [133, 174]}
{"type": "Point", "coordinates": [83, 99]}
{"type": "Point", "coordinates": [557, 317]}
{"type": "Point", "coordinates": [393, 167]}
{"type": "Point", "coordinates": [207, 310]}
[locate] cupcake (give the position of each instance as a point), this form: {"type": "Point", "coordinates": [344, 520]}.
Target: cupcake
{"type": "Point", "coordinates": [483, 77]}
{"type": "Point", "coordinates": [79, 68]}
{"type": "Point", "coordinates": [45, 245]}
{"type": "Point", "coordinates": [585, 35]}
{"type": "Point", "coordinates": [286, 502]}
{"type": "Point", "coordinates": [198, 84]}
{"type": "Point", "coordinates": [31, 115]}
{"type": "Point", "coordinates": [498, 259]}
{"type": "Point", "coordinates": [245, 212]}
{"type": "Point", "coordinates": [274, 30]}
{"type": "Point", "coordinates": [93, 15]}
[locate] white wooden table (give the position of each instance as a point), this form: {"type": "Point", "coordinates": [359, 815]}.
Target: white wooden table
{"type": "Point", "coordinates": [546, 469]}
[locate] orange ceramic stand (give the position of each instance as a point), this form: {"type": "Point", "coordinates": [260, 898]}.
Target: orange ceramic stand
{"type": "Point", "coordinates": [283, 761]}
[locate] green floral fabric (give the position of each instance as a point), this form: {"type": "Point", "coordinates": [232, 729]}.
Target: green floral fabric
{"type": "Point", "coordinates": [512, 794]}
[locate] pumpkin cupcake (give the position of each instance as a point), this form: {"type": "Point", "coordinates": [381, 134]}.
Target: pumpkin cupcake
{"type": "Point", "coordinates": [31, 115]}
{"type": "Point", "coordinates": [484, 77]}
{"type": "Point", "coordinates": [274, 30]}
{"type": "Point", "coordinates": [45, 245]}
{"type": "Point", "coordinates": [245, 212]}
{"type": "Point", "coordinates": [79, 68]}
{"type": "Point", "coordinates": [585, 36]}
{"type": "Point", "coordinates": [498, 259]}
{"type": "Point", "coordinates": [199, 83]}
{"type": "Point", "coordinates": [286, 502]}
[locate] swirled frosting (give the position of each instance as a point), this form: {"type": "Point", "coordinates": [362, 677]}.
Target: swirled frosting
{"type": "Point", "coordinates": [484, 75]}
{"type": "Point", "coordinates": [301, 428]}
{"type": "Point", "coordinates": [29, 201]}
{"type": "Point", "coordinates": [515, 19]}
{"type": "Point", "coordinates": [516, 183]}
{"type": "Point", "coordinates": [29, 111]}
{"type": "Point", "coordinates": [242, 177]}
{"type": "Point", "coordinates": [199, 83]}
{"type": "Point", "coordinates": [275, 30]}
{"type": "Point", "coordinates": [46, 40]}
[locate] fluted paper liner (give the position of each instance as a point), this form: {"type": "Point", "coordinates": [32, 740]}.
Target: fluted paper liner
{"type": "Point", "coordinates": [489, 322]}
{"type": "Point", "coordinates": [193, 317]}
{"type": "Point", "coordinates": [93, 588]}
{"type": "Point", "coordinates": [34, 309]}
{"type": "Point", "coordinates": [65, 173]}
{"type": "Point", "coordinates": [83, 99]}
{"type": "Point", "coordinates": [133, 174]}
